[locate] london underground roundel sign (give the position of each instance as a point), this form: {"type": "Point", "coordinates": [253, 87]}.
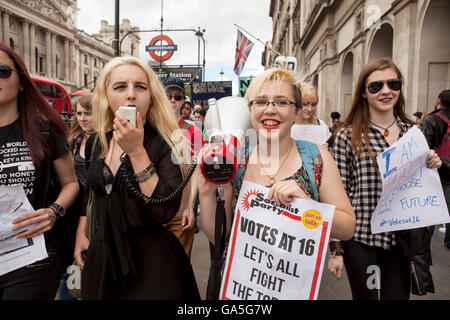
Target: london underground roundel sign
{"type": "Point", "coordinates": [168, 48]}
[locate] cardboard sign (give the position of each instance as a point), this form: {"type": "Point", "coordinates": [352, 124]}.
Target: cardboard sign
{"type": "Point", "coordinates": [310, 132]}
{"type": "Point", "coordinates": [275, 252]}
{"type": "Point", "coordinates": [412, 194]}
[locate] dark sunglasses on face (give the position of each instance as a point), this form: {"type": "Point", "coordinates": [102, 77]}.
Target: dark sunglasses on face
{"type": "Point", "coordinates": [5, 71]}
{"type": "Point", "coordinates": [376, 86]}
{"type": "Point", "coordinates": [176, 97]}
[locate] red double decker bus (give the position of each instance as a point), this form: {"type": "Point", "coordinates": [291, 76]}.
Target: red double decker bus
{"type": "Point", "coordinates": [56, 96]}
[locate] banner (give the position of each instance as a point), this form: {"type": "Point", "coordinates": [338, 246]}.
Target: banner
{"type": "Point", "coordinates": [275, 252]}
{"type": "Point", "coordinates": [412, 194]}
{"type": "Point", "coordinates": [203, 91]}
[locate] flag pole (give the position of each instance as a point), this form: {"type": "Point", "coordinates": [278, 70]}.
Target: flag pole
{"type": "Point", "coordinates": [257, 39]}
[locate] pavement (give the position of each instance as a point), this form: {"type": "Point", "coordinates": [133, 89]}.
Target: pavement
{"type": "Point", "coordinates": [330, 288]}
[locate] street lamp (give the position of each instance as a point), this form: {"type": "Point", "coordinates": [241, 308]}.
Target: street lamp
{"type": "Point", "coordinates": [199, 34]}
{"type": "Point", "coordinates": [221, 74]}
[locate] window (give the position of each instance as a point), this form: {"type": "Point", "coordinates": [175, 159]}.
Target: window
{"type": "Point", "coordinates": [85, 80]}
{"type": "Point", "coordinates": [41, 64]}
{"type": "Point", "coordinates": [95, 62]}
{"type": "Point", "coordinates": [11, 43]}
{"type": "Point", "coordinates": [85, 58]}
{"type": "Point", "coordinates": [57, 66]}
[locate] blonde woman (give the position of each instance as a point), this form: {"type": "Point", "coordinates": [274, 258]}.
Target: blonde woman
{"type": "Point", "coordinates": [306, 114]}
{"type": "Point", "coordinates": [297, 169]}
{"type": "Point", "coordinates": [130, 255]}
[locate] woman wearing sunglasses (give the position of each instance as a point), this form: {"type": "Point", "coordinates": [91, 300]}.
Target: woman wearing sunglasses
{"type": "Point", "coordinates": [376, 120]}
{"type": "Point", "coordinates": [35, 154]}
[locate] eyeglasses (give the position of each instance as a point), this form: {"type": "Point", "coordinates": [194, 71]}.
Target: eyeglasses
{"type": "Point", "coordinates": [376, 86]}
{"type": "Point", "coordinates": [262, 103]}
{"type": "Point", "coordinates": [5, 71]}
{"type": "Point", "coordinates": [177, 97]}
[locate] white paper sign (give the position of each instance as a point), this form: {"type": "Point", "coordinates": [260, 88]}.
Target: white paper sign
{"type": "Point", "coordinates": [412, 194]}
{"type": "Point", "coordinates": [17, 252]}
{"type": "Point", "coordinates": [310, 132]}
{"type": "Point", "coordinates": [275, 252]}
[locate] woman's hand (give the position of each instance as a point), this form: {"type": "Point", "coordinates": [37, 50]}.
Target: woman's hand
{"type": "Point", "coordinates": [188, 219]}
{"type": "Point", "coordinates": [42, 221]}
{"type": "Point", "coordinates": [129, 138]}
{"type": "Point", "coordinates": [433, 161]}
{"type": "Point", "coordinates": [335, 265]}
{"type": "Point", "coordinates": [81, 243]}
{"type": "Point", "coordinates": [285, 191]}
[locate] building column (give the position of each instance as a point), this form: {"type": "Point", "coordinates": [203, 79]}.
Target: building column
{"type": "Point", "coordinates": [66, 60]}
{"type": "Point", "coordinates": [32, 49]}
{"type": "Point", "coordinates": [26, 43]}
{"type": "Point", "coordinates": [5, 22]}
{"type": "Point", "coordinates": [48, 54]}
{"type": "Point", "coordinates": [72, 63]}
{"type": "Point", "coordinates": [53, 55]}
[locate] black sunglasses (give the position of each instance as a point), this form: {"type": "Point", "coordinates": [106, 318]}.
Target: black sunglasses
{"type": "Point", "coordinates": [393, 84]}
{"type": "Point", "coordinates": [177, 97]}
{"type": "Point", "coordinates": [5, 71]}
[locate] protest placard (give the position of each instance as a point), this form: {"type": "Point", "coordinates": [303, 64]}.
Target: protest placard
{"type": "Point", "coordinates": [412, 195]}
{"type": "Point", "coordinates": [310, 132]}
{"type": "Point", "coordinates": [275, 252]}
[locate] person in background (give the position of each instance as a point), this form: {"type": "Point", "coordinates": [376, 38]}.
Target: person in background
{"type": "Point", "coordinates": [306, 114]}
{"type": "Point", "coordinates": [182, 225]}
{"type": "Point", "coordinates": [49, 180]}
{"type": "Point", "coordinates": [130, 254]}
{"type": "Point", "coordinates": [336, 119]}
{"type": "Point", "coordinates": [274, 98]}
{"type": "Point", "coordinates": [436, 128]}
{"type": "Point", "coordinates": [420, 116]}
{"type": "Point", "coordinates": [80, 131]}
{"type": "Point", "coordinates": [186, 110]}
{"type": "Point", "coordinates": [376, 120]}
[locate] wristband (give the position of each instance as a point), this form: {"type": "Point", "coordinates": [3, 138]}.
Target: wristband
{"type": "Point", "coordinates": [145, 174]}
{"type": "Point", "coordinates": [336, 248]}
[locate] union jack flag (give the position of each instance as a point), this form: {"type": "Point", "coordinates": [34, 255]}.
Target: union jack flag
{"type": "Point", "coordinates": [243, 48]}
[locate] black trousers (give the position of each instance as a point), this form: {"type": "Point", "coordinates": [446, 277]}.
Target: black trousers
{"type": "Point", "coordinates": [375, 273]}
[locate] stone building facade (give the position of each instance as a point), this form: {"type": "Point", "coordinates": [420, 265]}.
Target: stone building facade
{"type": "Point", "coordinates": [333, 39]}
{"type": "Point", "coordinates": [45, 33]}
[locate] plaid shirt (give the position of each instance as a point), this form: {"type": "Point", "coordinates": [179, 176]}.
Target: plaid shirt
{"type": "Point", "coordinates": [363, 183]}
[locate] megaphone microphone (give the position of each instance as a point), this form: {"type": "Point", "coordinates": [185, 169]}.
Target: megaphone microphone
{"type": "Point", "coordinates": [225, 122]}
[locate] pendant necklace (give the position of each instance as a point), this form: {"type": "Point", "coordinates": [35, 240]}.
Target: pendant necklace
{"type": "Point", "coordinates": [272, 179]}
{"type": "Point", "coordinates": [386, 131]}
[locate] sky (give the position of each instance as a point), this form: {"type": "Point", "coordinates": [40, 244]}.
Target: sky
{"type": "Point", "coordinates": [215, 16]}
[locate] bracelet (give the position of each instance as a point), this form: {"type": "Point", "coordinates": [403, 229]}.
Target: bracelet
{"type": "Point", "coordinates": [145, 174]}
{"type": "Point", "coordinates": [336, 253]}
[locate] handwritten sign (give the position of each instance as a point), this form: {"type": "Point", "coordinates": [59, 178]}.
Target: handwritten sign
{"type": "Point", "coordinates": [310, 132]}
{"type": "Point", "coordinates": [412, 194]}
{"type": "Point", "coordinates": [275, 252]}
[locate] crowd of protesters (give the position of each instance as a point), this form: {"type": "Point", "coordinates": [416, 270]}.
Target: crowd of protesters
{"type": "Point", "coordinates": [93, 189]}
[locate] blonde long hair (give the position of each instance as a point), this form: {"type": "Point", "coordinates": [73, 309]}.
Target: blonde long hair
{"type": "Point", "coordinates": [159, 113]}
